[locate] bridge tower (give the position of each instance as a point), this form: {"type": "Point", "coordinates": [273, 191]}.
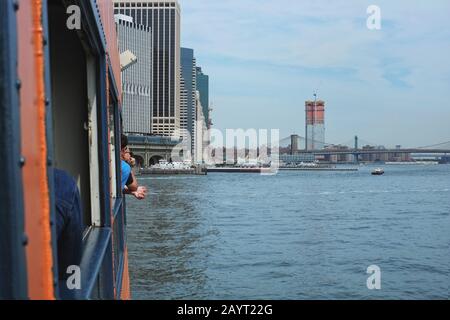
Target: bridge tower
{"type": "Point", "coordinates": [356, 155]}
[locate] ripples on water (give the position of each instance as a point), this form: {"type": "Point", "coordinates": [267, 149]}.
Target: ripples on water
{"type": "Point", "coordinates": [296, 235]}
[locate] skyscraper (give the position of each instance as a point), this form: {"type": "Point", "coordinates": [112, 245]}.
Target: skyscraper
{"type": "Point", "coordinates": [189, 74]}
{"type": "Point", "coordinates": [315, 124]}
{"type": "Point", "coordinates": [136, 80]}
{"type": "Point", "coordinates": [203, 88]}
{"type": "Point", "coordinates": [183, 110]}
{"type": "Point", "coordinates": [200, 141]}
{"type": "Point", "coordinates": [163, 17]}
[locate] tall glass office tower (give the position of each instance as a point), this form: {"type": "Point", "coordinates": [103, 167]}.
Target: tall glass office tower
{"type": "Point", "coordinates": [189, 74]}
{"type": "Point", "coordinates": [163, 17]}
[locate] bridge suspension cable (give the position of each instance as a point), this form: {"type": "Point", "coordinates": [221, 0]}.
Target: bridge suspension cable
{"type": "Point", "coordinates": [350, 143]}
{"type": "Point", "coordinates": [434, 145]}
{"type": "Point", "coordinates": [287, 140]}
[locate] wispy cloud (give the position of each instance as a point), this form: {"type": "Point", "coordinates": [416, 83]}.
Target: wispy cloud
{"type": "Point", "coordinates": [284, 50]}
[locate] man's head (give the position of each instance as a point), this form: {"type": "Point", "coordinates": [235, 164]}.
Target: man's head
{"type": "Point", "coordinates": [123, 141]}
{"type": "Point", "coordinates": [132, 161]}
{"type": "Point", "coordinates": [124, 150]}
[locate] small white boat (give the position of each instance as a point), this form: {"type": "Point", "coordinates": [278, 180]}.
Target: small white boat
{"type": "Point", "coordinates": [378, 171]}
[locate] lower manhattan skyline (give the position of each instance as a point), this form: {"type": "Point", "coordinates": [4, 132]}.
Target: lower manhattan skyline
{"type": "Point", "coordinates": [387, 85]}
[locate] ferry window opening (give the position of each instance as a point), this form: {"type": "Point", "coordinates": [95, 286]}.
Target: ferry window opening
{"type": "Point", "coordinates": [114, 145]}
{"type": "Point", "coordinates": [74, 109]}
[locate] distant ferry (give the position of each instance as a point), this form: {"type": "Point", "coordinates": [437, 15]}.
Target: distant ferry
{"type": "Point", "coordinates": [304, 165]}
{"type": "Point", "coordinates": [166, 165]}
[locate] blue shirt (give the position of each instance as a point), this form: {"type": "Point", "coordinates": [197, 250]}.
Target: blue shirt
{"type": "Point", "coordinates": [126, 171]}
{"type": "Point", "coordinates": [69, 225]}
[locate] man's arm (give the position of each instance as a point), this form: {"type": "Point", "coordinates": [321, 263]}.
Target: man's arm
{"type": "Point", "coordinates": [132, 184]}
{"type": "Point", "coordinates": [132, 187]}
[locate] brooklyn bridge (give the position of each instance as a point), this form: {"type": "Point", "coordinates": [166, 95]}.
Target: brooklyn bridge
{"type": "Point", "coordinates": [359, 147]}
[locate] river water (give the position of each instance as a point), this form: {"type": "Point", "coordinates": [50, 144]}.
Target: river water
{"type": "Point", "coordinates": [295, 235]}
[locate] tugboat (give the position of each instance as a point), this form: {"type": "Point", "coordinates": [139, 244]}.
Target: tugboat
{"type": "Point", "coordinates": [378, 172]}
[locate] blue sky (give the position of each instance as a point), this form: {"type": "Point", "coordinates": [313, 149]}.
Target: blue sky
{"type": "Point", "coordinates": [266, 57]}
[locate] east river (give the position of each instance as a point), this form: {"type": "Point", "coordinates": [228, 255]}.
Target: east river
{"type": "Point", "coordinates": [295, 235]}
